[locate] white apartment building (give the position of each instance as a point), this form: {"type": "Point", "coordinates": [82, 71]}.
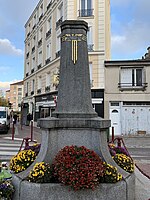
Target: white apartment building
{"type": "Point", "coordinates": [43, 48]}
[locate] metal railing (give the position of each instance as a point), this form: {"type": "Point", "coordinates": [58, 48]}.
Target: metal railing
{"type": "Point", "coordinates": [85, 12]}
{"type": "Point", "coordinates": [132, 86]}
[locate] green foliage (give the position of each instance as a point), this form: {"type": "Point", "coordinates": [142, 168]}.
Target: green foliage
{"type": "Point", "coordinates": [3, 102]}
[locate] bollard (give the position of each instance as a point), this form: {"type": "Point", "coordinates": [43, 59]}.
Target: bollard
{"type": "Point", "coordinates": [13, 130]}
{"type": "Point", "coordinates": [31, 130]}
{"type": "Point", "coordinates": [26, 142]}
{"type": "Point", "coordinates": [119, 141]}
{"type": "Point", "coordinates": [113, 137]}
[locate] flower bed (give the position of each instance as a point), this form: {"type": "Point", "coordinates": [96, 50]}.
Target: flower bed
{"type": "Point", "coordinates": [22, 160]}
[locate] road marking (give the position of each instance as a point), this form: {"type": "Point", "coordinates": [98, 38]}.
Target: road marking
{"type": "Point", "coordinates": [19, 139]}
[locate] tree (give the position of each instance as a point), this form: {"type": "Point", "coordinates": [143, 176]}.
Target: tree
{"type": "Point", "coordinates": [3, 102]}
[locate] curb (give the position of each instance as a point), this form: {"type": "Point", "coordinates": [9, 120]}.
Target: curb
{"type": "Point", "coordinates": [142, 172]}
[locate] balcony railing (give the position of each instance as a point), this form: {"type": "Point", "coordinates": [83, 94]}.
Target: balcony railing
{"type": "Point", "coordinates": [39, 66]}
{"type": "Point", "coordinates": [49, 5]}
{"type": "Point", "coordinates": [58, 54]}
{"type": "Point", "coordinates": [131, 86]}
{"type": "Point", "coordinates": [48, 60]}
{"type": "Point", "coordinates": [90, 47]}
{"type": "Point", "coordinates": [27, 55]}
{"type": "Point", "coordinates": [47, 88]}
{"type": "Point", "coordinates": [33, 49]}
{"type": "Point", "coordinates": [34, 27]}
{"type": "Point", "coordinates": [85, 12]}
{"type": "Point", "coordinates": [32, 71]}
{"type": "Point", "coordinates": [39, 91]}
{"type": "Point", "coordinates": [48, 33]}
{"type": "Point", "coordinates": [58, 23]}
{"type": "Point", "coordinates": [40, 42]}
{"type": "Point", "coordinates": [32, 92]}
{"type": "Point", "coordinates": [28, 34]}
{"type": "Point", "coordinates": [40, 17]}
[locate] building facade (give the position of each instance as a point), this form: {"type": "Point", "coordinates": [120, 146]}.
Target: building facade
{"type": "Point", "coordinates": [16, 95]}
{"type": "Point", "coordinates": [7, 94]}
{"type": "Point", "coordinates": [127, 96]}
{"type": "Point", "coordinates": [43, 48]}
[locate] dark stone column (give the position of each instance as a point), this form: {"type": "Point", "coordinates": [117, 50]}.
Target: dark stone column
{"type": "Point", "coordinates": [74, 91]}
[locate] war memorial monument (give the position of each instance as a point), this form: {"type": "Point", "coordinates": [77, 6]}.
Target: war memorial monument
{"type": "Point", "coordinates": [74, 122]}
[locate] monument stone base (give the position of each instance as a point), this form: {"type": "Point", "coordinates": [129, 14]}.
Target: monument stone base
{"type": "Point", "coordinates": [57, 133]}
{"type": "Point", "coordinates": [123, 190]}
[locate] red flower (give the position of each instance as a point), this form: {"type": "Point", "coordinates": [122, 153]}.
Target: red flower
{"type": "Point", "coordinates": [78, 167]}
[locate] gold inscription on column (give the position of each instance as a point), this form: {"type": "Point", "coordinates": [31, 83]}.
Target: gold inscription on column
{"type": "Point", "coordinates": [74, 51]}
{"type": "Point", "coordinates": [74, 39]}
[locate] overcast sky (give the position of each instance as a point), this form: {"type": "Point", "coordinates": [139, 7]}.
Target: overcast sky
{"type": "Point", "coordinates": [130, 33]}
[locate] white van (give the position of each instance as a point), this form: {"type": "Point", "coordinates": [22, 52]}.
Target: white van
{"type": "Point", "coordinates": [4, 119]}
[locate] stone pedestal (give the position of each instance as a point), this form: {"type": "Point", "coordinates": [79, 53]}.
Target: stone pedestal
{"type": "Point", "coordinates": [74, 123]}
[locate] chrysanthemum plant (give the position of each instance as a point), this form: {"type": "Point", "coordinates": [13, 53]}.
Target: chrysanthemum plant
{"type": "Point", "coordinates": [125, 162]}
{"type": "Point", "coordinates": [111, 174]}
{"type": "Point", "coordinates": [22, 160]}
{"type": "Point", "coordinates": [78, 167]}
{"type": "Point", "coordinates": [41, 173]}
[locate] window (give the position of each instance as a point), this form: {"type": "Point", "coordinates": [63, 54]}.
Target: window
{"type": "Point", "coordinates": [59, 16]}
{"type": "Point", "coordinates": [34, 41]}
{"type": "Point", "coordinates": [2, 114]}
{"type": "Point", "coordinates": [90, 39]}
{"type": "Point", "coordinates": [85, 8]}
{"type": "Point", "coordinates": [48, 79]}
{"type": "Point", "coordinates": [90, 69]}
{"type": "Point", "coordinates": [34, 20]}
{"type": "Point", "coordinates": [33, 83]}
{"type": "Point", "coordinates": [28, 47]}
{"type": "Point", "coordinates": [27, 67]}
{"type": "Point", "coordinates": [27, 87]}
{"type": "Point", "coordinates": [40, 57]}
{"type": "Point", "coordinates": [39, 82]}
{"type": "Point", "coordinates": [58, 46]}
{"type": "Point", "coordinates": [48, 51]}
{"type": "Point", "coordinates": [60, 12]}
{"type": "Point", "coordinates": [40, 34]}
{"type": "Point", "coordinates": [33, 63]}
{"type": "Point", "coordinates": [132, 78]}
{"type": "Point", "coordinates": [49, 24]}
{"type": "Point", "coordinates": [45, 112]}
{"type": "Point", "coordinates": [41, 10]}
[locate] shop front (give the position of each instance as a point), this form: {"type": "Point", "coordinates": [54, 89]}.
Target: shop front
{"type": "Point", "coordinates": [44, 105]}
